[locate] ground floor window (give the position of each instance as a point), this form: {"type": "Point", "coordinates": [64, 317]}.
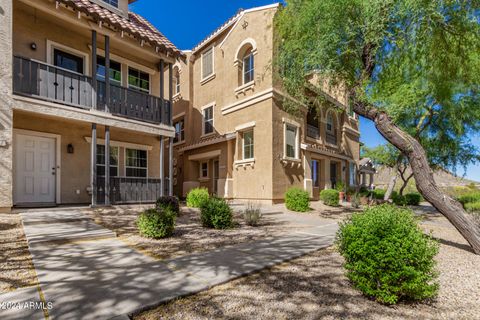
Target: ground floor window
{"type": "Point", "coordinates": [204, 170]}
{"type": "Point", "coordinates": [101, 161]}
{"type": "Point", "coordinates": [315, 173]}
{"type": "Point", "coordinates": [291, 141]}
{"type": "Point", "coordinates": [135, 163]}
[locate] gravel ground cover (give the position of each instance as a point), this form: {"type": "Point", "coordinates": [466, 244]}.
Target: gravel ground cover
{"type": "Point", "coordinates": [314, 287]}
{"type": "Point", "coordinates": [189, 235]}
{"type": "Point", "coordinates": [16, 266]}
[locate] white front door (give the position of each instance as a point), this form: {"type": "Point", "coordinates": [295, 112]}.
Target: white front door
{"type": "Point", "coordinates": [34, 169]}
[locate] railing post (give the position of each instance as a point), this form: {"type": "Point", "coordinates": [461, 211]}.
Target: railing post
{"type": "Point", "coordinates": [162, 173]}
{"type": "Point", "coordinates": [162, 90]}
{"type": "Point", "coordinates": [170, 167]}
{"type": "Point", "coordinates": [107, 165]}
{"type": "Point", "coordinates": [170, 93]}
{"type": "Point", "coordinates": [93, 165]}
{"type": "Point", "coordinates": [107, 74]}
{"type": "Point", "coordinates": [94, 69]}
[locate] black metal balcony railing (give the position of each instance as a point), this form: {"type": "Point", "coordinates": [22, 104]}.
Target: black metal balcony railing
{"type": "Point", "coordinates": [46, 82]}
{"type": "Point", "coordinates": [313, 132]}
{"type": "Point", "coordinates": [331, 138]}
{"type": "Point", "coordinates": [124, 190]}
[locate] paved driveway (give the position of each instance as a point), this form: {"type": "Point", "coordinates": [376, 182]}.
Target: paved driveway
{"type": "Point", "coordinates": [88, 273]}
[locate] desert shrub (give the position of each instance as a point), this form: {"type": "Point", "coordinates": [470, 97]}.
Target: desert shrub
{"type": "Point", "coordinates": [252, 214]}
{"type": "Point", "coordinates": [379, 194]}
{"type": "Point", "coordinates": [156, 224]}
{"type": "Point", "coordinates": [297, 199]}
{"type": "Point", "coordinates": [165, 202]}
{"type": "Point", "coordinates": [355, 201]}
{"type": "Point", "coordinates": [330, 197]}
{"type": "Point", "coordinates": [216, 213]}
{"type": "Point", "coordinates": [340, 186]}
{"type": "Point", "coordinates": [387, 256]}
{"type": "Point", "coordinates": [413, 198]}
{"type": "Point", "coordinates": [196, 197]}
{"type": "Point", "coordinates": [472, 206]}
{"type": "Point", "coordinates": [469, 197]}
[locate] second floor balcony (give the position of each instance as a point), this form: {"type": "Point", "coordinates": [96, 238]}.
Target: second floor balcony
{"type": "Point", "coordinates": [46, 82]}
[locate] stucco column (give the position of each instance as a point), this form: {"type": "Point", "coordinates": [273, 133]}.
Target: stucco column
{"type": "Point", "coordinates": [162, 172]}
{"type": "Point", "coordinates": [326, 168]}
{"type": "Point", "coordinates": [93, 165]}
{"type": "Point", "coordinates": [170, 167]}
{"type": "Point", "coordinates": [6, 113]}
{"type": "Point", "coordinates": [107, 165]}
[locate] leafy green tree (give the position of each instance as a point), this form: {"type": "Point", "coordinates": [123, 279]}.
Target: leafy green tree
{"type": "Point", "coordinates": [398, 60]}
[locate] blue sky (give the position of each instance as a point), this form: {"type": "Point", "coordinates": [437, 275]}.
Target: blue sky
{"type": "Point", "coordinates": [197, 19]}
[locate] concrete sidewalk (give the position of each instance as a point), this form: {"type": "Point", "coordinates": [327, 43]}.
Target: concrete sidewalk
{"type": "Point", "coordinates": [102, 279]}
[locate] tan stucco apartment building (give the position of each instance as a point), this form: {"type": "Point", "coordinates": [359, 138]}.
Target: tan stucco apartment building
{"type": "Point", "coordinates": [232, 135]}
{"type": "Point", "coordinates": [70, 134]}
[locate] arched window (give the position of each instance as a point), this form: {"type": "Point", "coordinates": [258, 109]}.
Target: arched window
{"type": "Point", "coordinates": [331, 128]}
{"type": "Point", "coordinates": [245, 61]}
{"type": "Point", "coordinates": [176, 80]}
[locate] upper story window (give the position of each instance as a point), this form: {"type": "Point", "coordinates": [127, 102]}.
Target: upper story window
{"type": "Point", "coordinates": [331, 130]}
{"type": "Point", "coordinates": [207, 63]}
{"type": "Point", "coordinates": [179, 131]}
{"type": "Point", "coordinates": [248, 145]}
{"type": "Point", "coordinates": [112, 2]}
{"type": "Point", "coordinates": [291, 141]}
{"type": "Point", "coordinates": [330, 124]}
{"type": "Point", "coordinates": [248, 67]}
{"type": "Point", "coordinates": [138, 80]}
{"type": "Point", "coordinates": [207, 120]}
{"type": "Point", "coordinates": [115, 70]}
{"type": "Point", "coordinates": [67, 61]}
{"type": "Point", "coordinates": [176, 80]}
{"type": "Point", "coordinates": [135, 163]}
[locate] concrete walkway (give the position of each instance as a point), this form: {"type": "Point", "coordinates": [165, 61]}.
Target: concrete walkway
{"type": "Point", "coordinates": [87, 273]}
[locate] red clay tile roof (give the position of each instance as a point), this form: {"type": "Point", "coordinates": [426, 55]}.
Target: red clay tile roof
{"type": "Point", "coordinates": [134, 24]}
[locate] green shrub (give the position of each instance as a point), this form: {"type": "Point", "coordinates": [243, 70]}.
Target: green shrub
{"type": "Point", "coordinates": [165, 202]}
{"type": "Point", "coordinates": [379, 194]}
{"type": "Point", "coordinates": [196, 197]}
{"type": "Point", "coordinates": [472, 206]}
{"type": "Point", "coordinates": [469, 197]}
{"type": "Point", "coordinates": [340, 186]}
{"type": "Point", "coordinates": [399, 200]}
{"type": "Point", "coordinates": [216, 213]}
{"type": "Point", "coordinates": [413, 198]}
{"type": "Point", "coordinates": [330, 197]}
{"type": "Point", "coordinates": [156, 224]}
{"type": "Point", "coordinates": [387, 256]}
{"type": "Point", "coordinates": [252, 215]}
{"type": "Point", "coordinates": [297, 199]}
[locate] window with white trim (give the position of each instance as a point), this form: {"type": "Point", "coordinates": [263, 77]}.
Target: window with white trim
{"type": "Point", "coordinates": [207, 120]}
{"type": "Point", "coordinates": [207, 63]}
{"type": "Point", "coordinates": [248, 142]}
{"type": "Point", "coordinates": [248, 67]}
{"type": "Point", "coordinates": [204, 170]}
{"type": "Point", "coordinates": [176, 81]}
{"type": "Point", "coordinates": [291, 141]}
{"type": "Point", "coordinates": [138, 80]}
{"type": "Point", "coordinates": [135, 163]}
{"type": "Point", "coordinates": [179, 131]}
{"type": "Point", "coordinates": [112, 2]}
{"type": "Point", "coordinates": [101, 161]}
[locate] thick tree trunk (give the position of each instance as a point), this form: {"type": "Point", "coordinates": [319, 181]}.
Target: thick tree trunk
{"type": "Point", "coordinates": [423, 174]}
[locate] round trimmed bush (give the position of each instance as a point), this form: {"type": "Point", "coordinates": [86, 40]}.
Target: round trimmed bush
{"type": "Point", "coordinates": [196, 197]}
{"type": "Point", "coordinates": [399, 200]}
{"type": "Point", "coordinates": [387, 256]}
{"type": "Point", "coordinates": [330, 197]}
{"type": "Point", "coordinates": [216, 213]}
{"type": "Point", "coordinates": [168, 202]}
{"type": "Point", "coordinates": [379, 194]}
{"type": "Point", "coordinates": [297, 199]}
{"type": "Point", "coordinates": [413, 198]}
{"type": "Point", "coordinates": [156, 224]}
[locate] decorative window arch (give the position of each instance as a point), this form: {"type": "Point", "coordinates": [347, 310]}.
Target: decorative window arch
{"type": "Point", "coordinates": [331, 127]}
{"type": "Point", "coordinates": [245, 61]}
